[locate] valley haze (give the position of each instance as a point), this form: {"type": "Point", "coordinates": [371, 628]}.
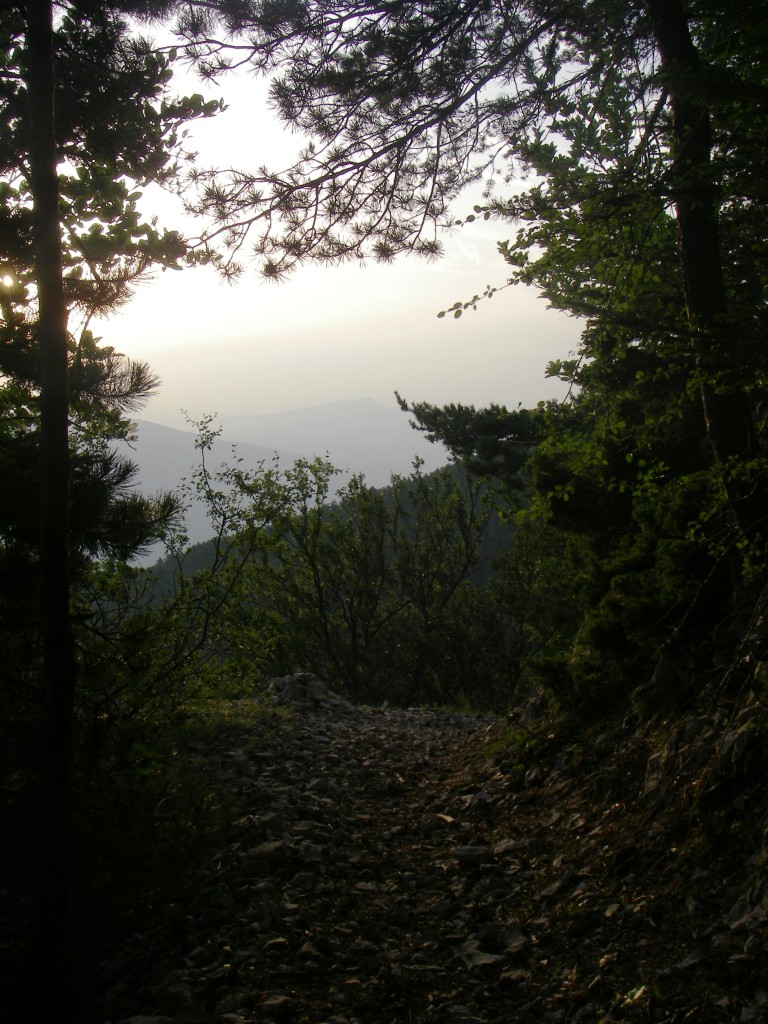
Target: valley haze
{"type": "Point", "coordinates": [357, 436]}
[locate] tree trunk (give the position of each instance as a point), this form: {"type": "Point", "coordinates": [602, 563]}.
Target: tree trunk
{"type": "Point", "coordinates": [729, 426]}
{"type": "Point", "coordinates": [47, 999]}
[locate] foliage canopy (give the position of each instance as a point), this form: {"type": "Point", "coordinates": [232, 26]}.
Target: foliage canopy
{"type": "Point", "coordinates": [625, 142]}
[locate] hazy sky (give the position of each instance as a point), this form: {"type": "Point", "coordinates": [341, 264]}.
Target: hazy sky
{"type": "Point", "coordinates": [333, 333]}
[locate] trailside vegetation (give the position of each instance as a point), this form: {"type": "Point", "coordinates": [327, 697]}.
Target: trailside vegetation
{"type": "Point", "coordinates": [423, 592]}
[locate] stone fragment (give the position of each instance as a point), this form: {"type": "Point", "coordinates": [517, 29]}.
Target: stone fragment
{"type": "Point", "coordinates": [504, 847]}
{"type": "Point", "coordinates": [689, 960]}
{"type": "Point", "coordinates": [304, 880]}
{"type": "Point", "coordinates": [273, 852]}
{"type": "Point", "coordinates": [148, 1020]}
{"type": "Point", "coordinates": [472, 856]}
{"type": "Point", "coordinates": [280, 1005]}
{"type": "Point", "coordinates": [515, 939]}
{"type": "Point", "coordinates": [310, 853]}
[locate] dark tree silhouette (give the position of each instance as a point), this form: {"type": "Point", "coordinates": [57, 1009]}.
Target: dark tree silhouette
{"type": "Point", "coordinates": [47, 985]}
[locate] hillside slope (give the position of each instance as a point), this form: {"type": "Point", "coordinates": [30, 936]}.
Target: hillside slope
{"type": "Point", "coordinates": [361, 435]}
{"type": "Point", "coordinates": [358, 436]}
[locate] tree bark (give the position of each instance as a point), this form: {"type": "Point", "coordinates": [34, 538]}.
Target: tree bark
{"type": "Point", "coordinates": [729, 426]}
{"type": "Point", "coordinates": [47, 991]}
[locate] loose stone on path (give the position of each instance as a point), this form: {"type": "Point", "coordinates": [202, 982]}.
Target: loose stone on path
{"type": "Point", "coordinates": [337, 898]}
{"type": "Point", "coordinates": [387, 870]}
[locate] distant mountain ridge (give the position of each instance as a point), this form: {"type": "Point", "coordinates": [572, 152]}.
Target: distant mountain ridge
{"type": "Point", "coordinates": [358, 436]}
{"type": "Point", "coordinates": [361, 435]}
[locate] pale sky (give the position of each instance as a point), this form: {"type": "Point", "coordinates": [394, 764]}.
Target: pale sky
{"type": "Point", "coordinates": [334, 333]}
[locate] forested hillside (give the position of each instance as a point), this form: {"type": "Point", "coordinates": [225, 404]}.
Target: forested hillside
{"type": "Point", "coordinates": [599, 841]}
{"type": "Point", "coordinates": [361, 437]}
{"type": "Point", "coordinates": [423, 592]}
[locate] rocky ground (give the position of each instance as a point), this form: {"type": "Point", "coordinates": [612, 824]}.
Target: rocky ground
{"type": "Point", "coordinates": [414, 866]}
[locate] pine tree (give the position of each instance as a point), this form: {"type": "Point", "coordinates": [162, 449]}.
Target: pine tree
{"type": "Point", "coordinates": [85, 119]}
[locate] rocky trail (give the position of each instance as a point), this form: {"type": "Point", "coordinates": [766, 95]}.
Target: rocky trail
{"type": "Point", "coordinates": [407, 866]}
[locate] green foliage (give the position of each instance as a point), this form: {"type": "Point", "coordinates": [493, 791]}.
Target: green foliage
{"type": "Point", "coordinates": [387, 594]}
{"type": "Point", "coordinates": [652, 471]}
{"type": "Point", "coordinates": [639, 132]}
{"type": "Point", "coordinates": [403, 106]}
{"type": "Point", "coordinates": [150, 812]}
{"type": "Point", "coordinates": [108, 518]}
{"type": "Point", "coordinates": [492, 442]}
{"type": "Point", "coordinates": [118, 130]}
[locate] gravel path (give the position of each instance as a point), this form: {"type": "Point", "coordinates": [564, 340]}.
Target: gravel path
{"type": "Point", "coordinates": [387, 870]}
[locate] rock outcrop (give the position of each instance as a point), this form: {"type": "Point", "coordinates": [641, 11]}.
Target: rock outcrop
{"type": "Point", "coordinates": [304, 690]}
